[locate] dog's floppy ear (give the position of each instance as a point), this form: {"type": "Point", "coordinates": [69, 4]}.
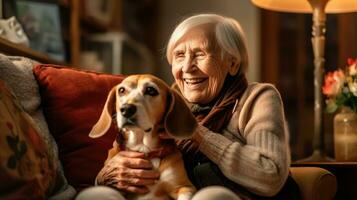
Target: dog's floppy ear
{"type": "Point", "coordinates": [105, 120]}
{"type": "Point", "coordinates": [179, 121]}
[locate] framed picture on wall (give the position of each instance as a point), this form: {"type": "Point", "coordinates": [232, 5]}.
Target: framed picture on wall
{"type": "Point", "coordinates": [42, 24]}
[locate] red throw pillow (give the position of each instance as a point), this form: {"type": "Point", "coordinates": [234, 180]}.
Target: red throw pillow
{"type": "Point", "coordinates": [72, 101]}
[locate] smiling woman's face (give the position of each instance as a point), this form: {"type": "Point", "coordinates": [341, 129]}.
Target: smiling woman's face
{"type": "Point", "coordinates": [197, 65]}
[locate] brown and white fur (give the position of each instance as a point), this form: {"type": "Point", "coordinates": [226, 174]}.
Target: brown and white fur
{"type": "Point", "coordinates": [144, 106]}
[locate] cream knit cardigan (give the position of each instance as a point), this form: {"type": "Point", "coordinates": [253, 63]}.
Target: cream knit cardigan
{"type": "Point", "coordinates": [253, 149]}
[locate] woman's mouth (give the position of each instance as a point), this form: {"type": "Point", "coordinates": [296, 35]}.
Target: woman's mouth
{"type": "Point", "coordinates": [194, 81]}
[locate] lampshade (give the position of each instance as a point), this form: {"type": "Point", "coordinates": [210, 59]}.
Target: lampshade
{"type": "Point", "coordinates": [303, 6]}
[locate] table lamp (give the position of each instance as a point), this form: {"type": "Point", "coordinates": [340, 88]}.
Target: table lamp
{"type": "Point", "coordinates": [318, 8]}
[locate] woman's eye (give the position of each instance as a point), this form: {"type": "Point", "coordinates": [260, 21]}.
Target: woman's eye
{"type": "Point", "coordinates": [179, 55]}
{"type": "Point", "coordinates": [199, 54]}
{"type": "Point", "coordinates": [121, 90]}
{"type": "Point", "coordinates": [151, 91]}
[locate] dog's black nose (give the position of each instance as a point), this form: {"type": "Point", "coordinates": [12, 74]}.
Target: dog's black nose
{"type": "Point", "coordinates": [128, 110]}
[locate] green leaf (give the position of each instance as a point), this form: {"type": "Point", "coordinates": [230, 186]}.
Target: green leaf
{"type": "Point", "coordinates": [354, 104]}
{"type": "Point", "coordinates": [12, 142]}
{"type": "Point", "coordinates": [331, 107]}
{"type": "Point", "coordinates": [11, 162]}
{"type": "Point", "coordinates": [354, 76]}
{"type": "Point", "coordinates": [342, 99]}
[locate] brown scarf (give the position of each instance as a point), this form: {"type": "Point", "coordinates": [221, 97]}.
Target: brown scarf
{"type": "Point", "coordinates": [217, 114]}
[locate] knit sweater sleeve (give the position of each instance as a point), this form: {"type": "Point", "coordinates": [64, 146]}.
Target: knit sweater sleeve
{"type": "Point", "coordinates": [261, 163]}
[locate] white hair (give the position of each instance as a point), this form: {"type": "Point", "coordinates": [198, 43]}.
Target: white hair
{"type": "Point", "coordinates": [228, 32]}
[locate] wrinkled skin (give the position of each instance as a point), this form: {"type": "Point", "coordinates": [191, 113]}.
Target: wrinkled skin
{"type": "Point", "coordinates": [128, 171]}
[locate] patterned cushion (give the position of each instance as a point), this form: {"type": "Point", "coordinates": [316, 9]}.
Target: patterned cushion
{"type": "Point", "coordinates": [72, 101]}
{"type": "Point", "coordinates": [17, 73]}
{"type": "Point", "coordinates": [27, 171]}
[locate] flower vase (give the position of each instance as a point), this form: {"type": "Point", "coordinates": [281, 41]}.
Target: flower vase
{"type": "Point", "coordinates": [345, 135]}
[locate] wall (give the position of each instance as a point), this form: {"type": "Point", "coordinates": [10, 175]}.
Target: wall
{"type": "Point", "coordinates": [172, 12]}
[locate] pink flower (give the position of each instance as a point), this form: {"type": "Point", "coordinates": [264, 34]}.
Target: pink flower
{"type": "Point", "coordinates": [351, 61]}
{"type": "Point", "coordinates": [340, 87]}
{"type": "Point", "coordinates": [352, 69]}
{"type": "Point", "coordinates": [333, 83]}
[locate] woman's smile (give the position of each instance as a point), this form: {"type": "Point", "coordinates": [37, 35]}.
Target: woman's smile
{"type": "Point", "coordinates": [194, 82]}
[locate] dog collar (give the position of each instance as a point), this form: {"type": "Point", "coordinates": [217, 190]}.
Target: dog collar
{"type": "Point", "coordinates": [168, 146]}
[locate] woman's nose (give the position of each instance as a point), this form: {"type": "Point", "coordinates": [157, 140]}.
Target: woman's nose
{"type": "Point", "coordinates": [189, 64]}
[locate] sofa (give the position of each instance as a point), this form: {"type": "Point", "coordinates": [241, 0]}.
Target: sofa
{"type": "Point", "coordinates": [46, 113]}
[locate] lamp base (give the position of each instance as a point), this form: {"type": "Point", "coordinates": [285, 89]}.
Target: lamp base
{"type": "Point", "coordinates": [317, 156]}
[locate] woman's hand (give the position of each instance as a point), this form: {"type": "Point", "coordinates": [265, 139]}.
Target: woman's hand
{"type": "Point", "coordinates": [128, 171]}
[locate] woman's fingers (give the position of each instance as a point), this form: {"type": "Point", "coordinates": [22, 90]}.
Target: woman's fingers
{"type": "Point", "coordinates": [125, 172]}
{"type": "Point", "coordinates": [128, 171]}
{"type": "Point", "coordinates": [129, 184]}
{"type": "Point", "coordinates": [140, 181]}
{"type": "Point", "coordinates": [136, 163]}
{"type": "Point", "coordinates": [142, 173]}
{"type": "Point", "coordinates": [134, 160]}
{"type": "Point", "coordinates": [131, 154]}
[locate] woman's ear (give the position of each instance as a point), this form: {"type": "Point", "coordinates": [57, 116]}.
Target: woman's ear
{"type": "Point", "coordinates": [105, 120]}
{"type": "Point", "coordinates": [179, 121]}
{"type": "Point", "coordinates": [234, 65]}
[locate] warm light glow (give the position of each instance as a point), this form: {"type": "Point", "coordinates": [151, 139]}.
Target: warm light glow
{"type": "Point", "coordinates": [303, 6]}
{"type": "Point", "coordinates": [318, 8]}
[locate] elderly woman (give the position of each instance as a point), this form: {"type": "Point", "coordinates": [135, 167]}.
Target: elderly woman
{"type": "Point", "coordinates": [241, 142]}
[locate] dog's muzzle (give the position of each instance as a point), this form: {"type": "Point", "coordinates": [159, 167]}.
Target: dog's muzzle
{"type": "Point", "coordinates": [128, 110]}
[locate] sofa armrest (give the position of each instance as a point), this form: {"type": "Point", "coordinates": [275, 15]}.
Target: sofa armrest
{"type": "Point", "coordinates": [315, 183]}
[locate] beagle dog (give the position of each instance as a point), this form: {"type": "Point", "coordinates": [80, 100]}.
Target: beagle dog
{"type": "Point", "coordinates": [145, 106]}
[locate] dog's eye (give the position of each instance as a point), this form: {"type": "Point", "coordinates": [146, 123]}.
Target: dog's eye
{"type": "Point", "coordinates": [121, 90]}
{"type": "Point", "coordinates": [151, 91]}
